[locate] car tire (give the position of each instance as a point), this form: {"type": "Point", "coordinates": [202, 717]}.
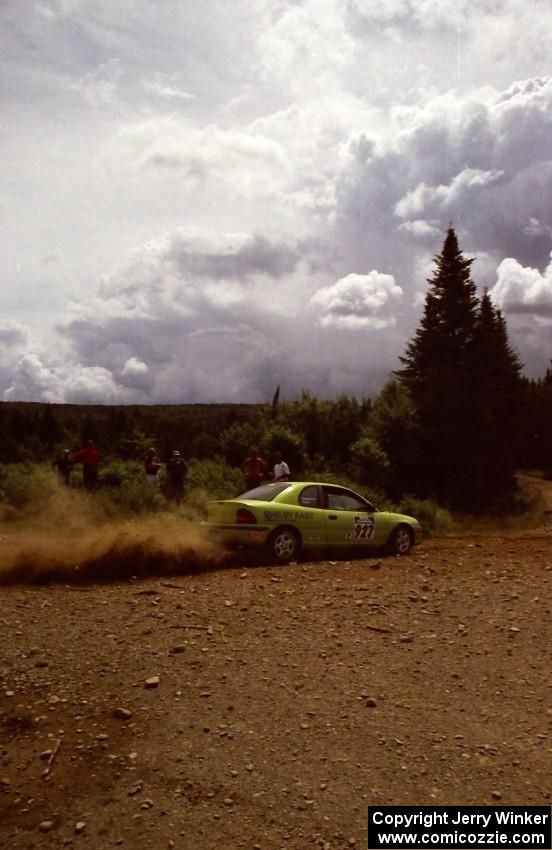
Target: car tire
{"type": "Point", "coordinates": [400, 541]}
{"type": "Point", "coordinates": [283, 545]}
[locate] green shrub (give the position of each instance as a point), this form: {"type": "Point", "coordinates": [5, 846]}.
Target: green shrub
{"type": "Point", "coordinates": [124, 490]}
{"type": "Point", "coordinates": [210, 479]}
{"type": "Point", "coordinates": [370, 463]}
{"type": "Point", "coordinates": [131, 497]}
{"type": "Point", "coordinates": [236, 441]}
{"type": "Point", "coordinates": [280, 438]}
{"type": "Point", "coordinates": [430, 515]}
{"type": "Point", "coordinates": [23, 484]}
{"type": "Point", "coordinates": [115, 473]}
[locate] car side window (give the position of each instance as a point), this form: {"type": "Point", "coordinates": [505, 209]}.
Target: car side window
{"type": "Point", "coordinates": [342, 500]}
{"type": "Point", "coordinates": [308, 497]}
{"type": "Point", "coordinates": [335, 502]}
{"type": "Point", "coordinates": [352, 504]}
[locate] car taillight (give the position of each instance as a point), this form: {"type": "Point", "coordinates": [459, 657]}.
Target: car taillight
{"type": "Point", "coordinates": [245, 516]}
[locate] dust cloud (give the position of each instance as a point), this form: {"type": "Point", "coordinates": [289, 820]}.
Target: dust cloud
{"type": "Point", "coordinates": [68, 540]}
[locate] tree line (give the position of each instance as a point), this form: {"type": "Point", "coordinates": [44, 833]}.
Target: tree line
{"type": "Point", "coordinates": [453, 424]}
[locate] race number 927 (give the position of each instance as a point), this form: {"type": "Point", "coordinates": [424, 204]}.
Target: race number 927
{"type": "Point", "coordinates": [364, 527]}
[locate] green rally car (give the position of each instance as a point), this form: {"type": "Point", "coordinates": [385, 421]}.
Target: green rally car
{"type": "Point", "coordinates": [287, 517]}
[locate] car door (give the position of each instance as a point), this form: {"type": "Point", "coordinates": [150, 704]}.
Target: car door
{"type": "Point", "coordinates": [350, 520]}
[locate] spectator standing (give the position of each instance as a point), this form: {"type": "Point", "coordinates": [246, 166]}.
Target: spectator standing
{"type": "Point", "coordinates": [63, 465]}
{"type": "Point", "coordinates": [281, 469]}
{"type": "Point", "coordinates": [177, 469]}
{"type": "Point", "coordinates": [254, 469]}
{"type": "Point", "coordinates": [152, 466]}
{"type": "Point", "coordinates": [90, 458]}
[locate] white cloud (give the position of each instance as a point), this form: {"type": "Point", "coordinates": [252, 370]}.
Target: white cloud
{"type": "Point", "coordinates": [187, 270]}
{"type": "Point", "coordinates": [100, 87]}
{"type": "Point", "coordinates": [35, 380]}
{"type": "Point", "coordinates": [537, 228]}
{"type": "Point", "coordinates": [12, 336]}
{"type": "Point", "coordinates": [425, 199]}
{"type": "Point", "coordinates": [384, 11]}
{"type": "Point", "coordinates": [167, 87]}
{"type": "Point", "coordinates": [57, 9]}
{"type": "Point", "coordinates": [358, 301]}
{"type": "Point", "coordinates": [523, 290]}
{"type": "Point", "coordinates": [15, 339]}
{"type": "Point", "coordinates": [421, 228]}
{"type": "Point", "coordinates": [307, 47]}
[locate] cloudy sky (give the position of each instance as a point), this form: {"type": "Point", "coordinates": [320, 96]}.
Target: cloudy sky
{"type": "Point", "coordinates": [204, 200]}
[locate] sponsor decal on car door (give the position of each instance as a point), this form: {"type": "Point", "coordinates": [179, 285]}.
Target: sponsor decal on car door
{"type": "Point", "coordinates": [348, 528]}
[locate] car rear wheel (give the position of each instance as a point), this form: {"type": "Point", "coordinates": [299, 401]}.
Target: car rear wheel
{"type": "Point", "coordinates": [283, 545]}
{"type": "Point", "coordinates": [401, 541]}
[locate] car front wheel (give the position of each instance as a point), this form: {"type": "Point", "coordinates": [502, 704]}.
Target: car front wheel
{"type": "Point", "coordinates": [283, 545]}
{"type": "Point", "coordinates": [401, 541]}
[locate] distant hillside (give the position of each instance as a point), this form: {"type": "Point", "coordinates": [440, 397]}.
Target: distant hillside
{"type": "Point", "coordinates": [33, 430]}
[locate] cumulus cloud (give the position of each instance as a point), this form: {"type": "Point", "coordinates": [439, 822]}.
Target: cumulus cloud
{"type": "Point", "coordinates": [190, 268]}
{"type": "Point", "coordinates": [56, 9]}
{"type": "Point", "coordinates": [424, 199]}
{"type": "Point", "coordinates": [479, 162]}
{"type": "Point", "coordinates": [99, 87]}
{"type": "Point", "coordinates": [14, 341]}
{"type": "Point", "coordinates": [12, 336]}
{"type": "Point", "coordinates": [202, 316]}
{"type": "Point", "coordinates": [307, 46]}
{"type": "Point", "coordinates": [198, 153]}
{"type": "Point", "coordinates": [358, 301]}
{"type": "Point", "coordinates": [420, 228]}
{"type": "Point", "coordinates": [180, 319]}
{"type": "Point", "coordinates": [34, 380]}
{"type": "Point", "coordinates": [167, 87]}
{"type": "Point", "coordinates": [523, 290]}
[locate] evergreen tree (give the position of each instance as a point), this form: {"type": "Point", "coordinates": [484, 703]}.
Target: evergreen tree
{"type": "Point", "coordinates": [275, 400]}
{"type": "Point", "coordinates": [495, 406]}
{"type": "Point", "coordinates": [535, 448]}
{"type": "Point", "coordinates": [438, 372]}
{"type": "Point", "coordinates": [49, 431]}
{"type": "Point", "coordinates": [394, 427]}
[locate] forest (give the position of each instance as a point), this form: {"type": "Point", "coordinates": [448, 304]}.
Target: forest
{"type": "Point", "coordinates": [451, 426]}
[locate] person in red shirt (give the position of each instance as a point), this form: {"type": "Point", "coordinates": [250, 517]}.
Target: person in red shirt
{"type": "Point", "coordinates": [90, 458]}
{"type": "Point", "coordinates": [254, 468]}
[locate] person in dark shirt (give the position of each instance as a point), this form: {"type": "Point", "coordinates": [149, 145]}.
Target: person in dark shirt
{"type": "Point", "coordinates": [63, 465]}
{"type": "Point", "coordinates": [152, 466]}
{"type": "Point", "coordinates": [177, 470]}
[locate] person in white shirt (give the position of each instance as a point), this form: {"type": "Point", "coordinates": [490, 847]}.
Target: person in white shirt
{"type": "Point", "coordinates": [281, 469]}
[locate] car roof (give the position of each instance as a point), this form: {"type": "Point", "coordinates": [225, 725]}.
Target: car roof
{"type": "Point", "coordinates": [317, 484]}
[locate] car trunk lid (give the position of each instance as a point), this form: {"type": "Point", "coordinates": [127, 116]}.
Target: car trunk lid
{"type": "Point", "coordinates": [229, 512]}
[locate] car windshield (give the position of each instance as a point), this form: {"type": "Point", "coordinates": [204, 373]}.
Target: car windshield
{"type": "Point", "coordinates": [264, 493]}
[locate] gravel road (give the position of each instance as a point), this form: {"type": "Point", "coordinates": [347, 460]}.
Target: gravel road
{"type": "Point", "coordinates": [263, 708]}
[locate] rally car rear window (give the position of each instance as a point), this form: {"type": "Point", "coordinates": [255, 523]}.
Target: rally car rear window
{"type": "Point", "coordinates": [264, 493]}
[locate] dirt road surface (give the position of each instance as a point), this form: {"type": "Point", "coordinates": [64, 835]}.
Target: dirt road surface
{"type": "Point", "coordinates": [263, 708]}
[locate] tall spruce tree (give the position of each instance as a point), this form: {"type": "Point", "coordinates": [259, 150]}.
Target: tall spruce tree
{"type": "Point", "coordinates": [535, 426]}
{"type": "Point", "coordinates": [438, 372]}
{"type": "Point", "coordinates": [495, 406]}
{"type": "Point", "coordinates": [464, 379]}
